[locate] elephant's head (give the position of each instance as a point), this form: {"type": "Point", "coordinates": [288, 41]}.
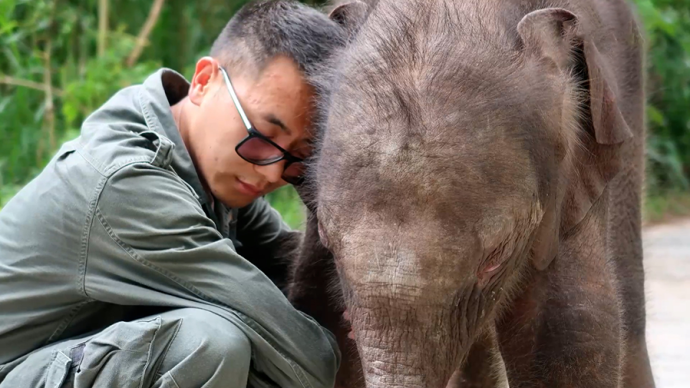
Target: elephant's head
{"type": "Point", "coordinates": [460, 145]}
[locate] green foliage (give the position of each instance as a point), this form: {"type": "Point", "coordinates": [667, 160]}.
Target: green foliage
{"type": "Point", "coordinates": [287, 202]}
{"type": "Point", "coordinates": [40, 37]}
{"type": "Point", "coordinates": [670, 205]}
{"type": "Point", "coordinates": [667, 24]}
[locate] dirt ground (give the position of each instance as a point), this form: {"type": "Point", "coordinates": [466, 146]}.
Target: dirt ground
{"type": "Point", "coordinates": [667, 265]}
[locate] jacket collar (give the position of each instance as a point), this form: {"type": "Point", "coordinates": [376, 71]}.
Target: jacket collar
{"type": "Point", "coordinates": [160, 91]}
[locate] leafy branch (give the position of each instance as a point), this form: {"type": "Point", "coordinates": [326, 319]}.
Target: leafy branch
{"type": "Point", "coordinates": [7, 80]}
{"type": "Point", "coordinates": [142, 38]}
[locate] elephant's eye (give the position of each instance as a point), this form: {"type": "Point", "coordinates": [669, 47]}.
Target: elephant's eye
{"type": "Point", "coordinates": [322, 235]}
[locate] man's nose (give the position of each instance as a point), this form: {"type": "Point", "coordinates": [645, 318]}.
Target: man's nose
{"type": "Point", "coordinates": [272, 172]}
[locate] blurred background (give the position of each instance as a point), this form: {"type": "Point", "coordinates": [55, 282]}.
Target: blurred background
{"type": "Point", "coordinates": [61, 59]}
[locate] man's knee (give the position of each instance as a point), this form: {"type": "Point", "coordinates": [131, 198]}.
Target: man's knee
{"type": "Point", "coordinates": [203, 343]}
{"type": "Point", "coordinates": [207, 332]}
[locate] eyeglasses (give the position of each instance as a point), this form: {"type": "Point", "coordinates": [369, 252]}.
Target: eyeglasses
{"type": "Point", "coordinates": [260, 150]}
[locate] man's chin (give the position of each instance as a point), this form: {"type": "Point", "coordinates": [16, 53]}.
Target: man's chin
{"type": "Point", "coordinates": [239, 201]}
{"type": "Point", "coordinates": [230, 193]}
{"type": "Point", "coordinates": [233, 199]}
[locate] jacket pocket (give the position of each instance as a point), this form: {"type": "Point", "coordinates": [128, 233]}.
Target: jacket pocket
{"type": "Point", "coordinates": [118, 356]}
{"type": "Point", "coordinates": [49, 367]}
{"type": "Point", "coordinates": [58, 370]}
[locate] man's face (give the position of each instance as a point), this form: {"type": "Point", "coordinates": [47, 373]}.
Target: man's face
{"type": "Point", "coordinates": [277, 103]}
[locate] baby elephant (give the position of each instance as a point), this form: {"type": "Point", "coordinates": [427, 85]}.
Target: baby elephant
{"type": "Point", "coordinates": [477, 191]}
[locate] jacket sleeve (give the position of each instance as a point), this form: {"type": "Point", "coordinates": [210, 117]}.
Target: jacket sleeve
{"type": "Point", "coordinates": [150, 243]}
{"type": "Point", "coordinates": [267, 241]}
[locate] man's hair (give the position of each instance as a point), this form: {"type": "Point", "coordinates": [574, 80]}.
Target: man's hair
{"type": "Point", "coordinates": [260, 30]}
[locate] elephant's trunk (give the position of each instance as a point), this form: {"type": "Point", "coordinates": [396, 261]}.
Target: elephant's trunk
{"type": "Point", "coordinates": [403, 345]}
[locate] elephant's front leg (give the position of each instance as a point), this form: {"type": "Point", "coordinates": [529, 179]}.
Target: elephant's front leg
{"type": "Point", "coordinates": [565, 329]}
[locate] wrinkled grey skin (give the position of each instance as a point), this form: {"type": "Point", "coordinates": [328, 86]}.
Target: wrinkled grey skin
{"type": "Point", "coordinates": [479, 176]}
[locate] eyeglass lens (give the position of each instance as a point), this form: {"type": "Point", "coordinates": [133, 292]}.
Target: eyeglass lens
{"type": "Point", "coordinates": [293, 172]}
{"type": "Point", "coordinates": [259, 151]}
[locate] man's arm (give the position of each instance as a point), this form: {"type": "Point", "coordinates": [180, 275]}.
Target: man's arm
{"type": "Point", "coordinates": [150, 243]}
{"type": "Point", "coordinates": [267, 241]}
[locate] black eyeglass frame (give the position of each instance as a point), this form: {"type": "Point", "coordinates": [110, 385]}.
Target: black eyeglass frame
{"type": "Point", "coordinates": [253, 132]}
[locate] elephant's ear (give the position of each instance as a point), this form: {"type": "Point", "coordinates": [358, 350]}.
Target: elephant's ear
{"type": "Point", "coordinates": [350, 16]}
{"type": "Point", "coordinates": [553, 37]}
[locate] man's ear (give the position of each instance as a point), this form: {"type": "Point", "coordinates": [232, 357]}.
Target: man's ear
{"type": "Point", "coordinates": [350, 16]}
{"type": "Point", "coordinates": [205, 71]}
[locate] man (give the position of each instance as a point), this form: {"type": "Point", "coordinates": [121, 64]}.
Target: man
{"type": "Point", "coordinates": [120, 264]}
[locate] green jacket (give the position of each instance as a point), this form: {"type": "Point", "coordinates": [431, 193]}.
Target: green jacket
{"type": "Point", "coordinates": [119, 219]}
